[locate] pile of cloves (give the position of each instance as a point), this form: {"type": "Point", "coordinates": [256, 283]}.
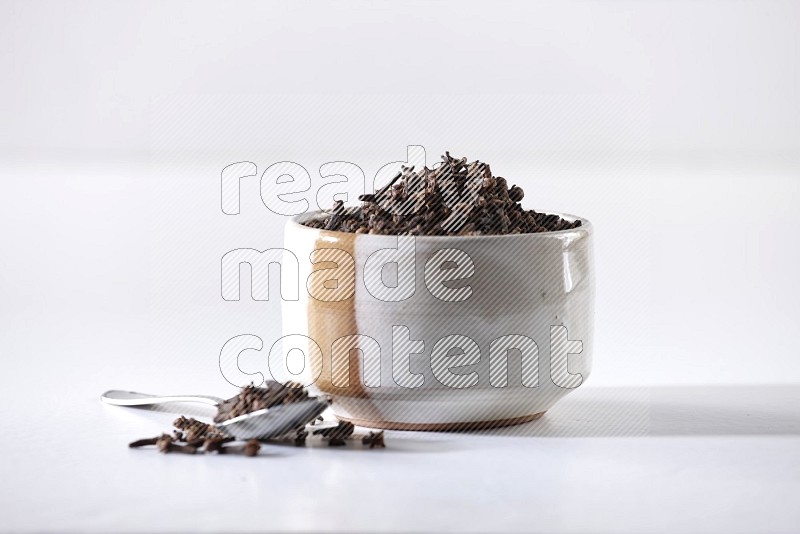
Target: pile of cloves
{"type": "Point", "coordinates": [453, 198]}
{"type": "Point", "coordinates": [191, 436]}
{"type": "Point", "coordinates": [251, 399]}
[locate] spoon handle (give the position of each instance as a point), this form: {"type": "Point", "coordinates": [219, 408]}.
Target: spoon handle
{"type": "Point", "coordinates": [131, 398]}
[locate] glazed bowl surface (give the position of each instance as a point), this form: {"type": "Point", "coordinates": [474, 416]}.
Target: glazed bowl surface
{"type": "Point", "coordinates": [440, 332]}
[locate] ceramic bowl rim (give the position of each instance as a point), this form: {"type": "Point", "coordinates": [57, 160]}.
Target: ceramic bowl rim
{"type": "Point", "coordinates": [586, 226]}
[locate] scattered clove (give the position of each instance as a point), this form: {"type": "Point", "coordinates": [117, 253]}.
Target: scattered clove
{"type": "Point", "coordinates": [300, 437]}
{"type": "Point", "coordinates": [214, 443]}
{"type": "Point", "coordinates": [142, 442]}
{"type": "Point", "coordinates": [166, 444]}
{"type": "Point", "coordinates": [250, 448]}
{"type": "Point", "coordinates": [336, 435]}
{"type": "Point", "coordinates": [193, 430]}
{"type": "Point", "coordinates": [374, 440]}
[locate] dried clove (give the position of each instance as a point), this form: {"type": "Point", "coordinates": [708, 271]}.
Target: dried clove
{"type": "Point", "coordinates": [374, 440]}
{"type": "Point", "coordinates": [142, 442]}
{"type": "Point", "coordinates": [214, 443]}
{"type": "Point", "coordinates": [193, 430]}
{"type": "Point", "coordinates": [300, 437]}
{"type": "Point", "coordinates": [250, 448]}
{"type": "Point", "coordinates": [336, 435]}
{"type": "Point", "coordinates": [165, 443]}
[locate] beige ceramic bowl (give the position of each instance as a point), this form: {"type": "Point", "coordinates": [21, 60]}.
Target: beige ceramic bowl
{"type": "Point", "coordinates": [441, 332]}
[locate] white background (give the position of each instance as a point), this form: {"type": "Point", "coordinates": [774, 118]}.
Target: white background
{"type": "Point", "coordinates": [673, 126]}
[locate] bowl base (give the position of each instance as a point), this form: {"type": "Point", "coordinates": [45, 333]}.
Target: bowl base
{"type": "Point", "coordinates": [442, 427]}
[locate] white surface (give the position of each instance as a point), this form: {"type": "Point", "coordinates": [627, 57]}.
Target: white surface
{"type": "Point", "coordinates": [699, 459]}
{"type": "Point", "coordinates": [675, 127]}
{"type": "Point", "coordinates": [719, 75]}
{"type": "Point", "coordinates": [114, 283]}
{"type": "Point", "coordinates": [114, 292]}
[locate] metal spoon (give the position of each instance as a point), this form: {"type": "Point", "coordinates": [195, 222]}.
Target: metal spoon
{"type": "Point", "coordinates": [262, 424]}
